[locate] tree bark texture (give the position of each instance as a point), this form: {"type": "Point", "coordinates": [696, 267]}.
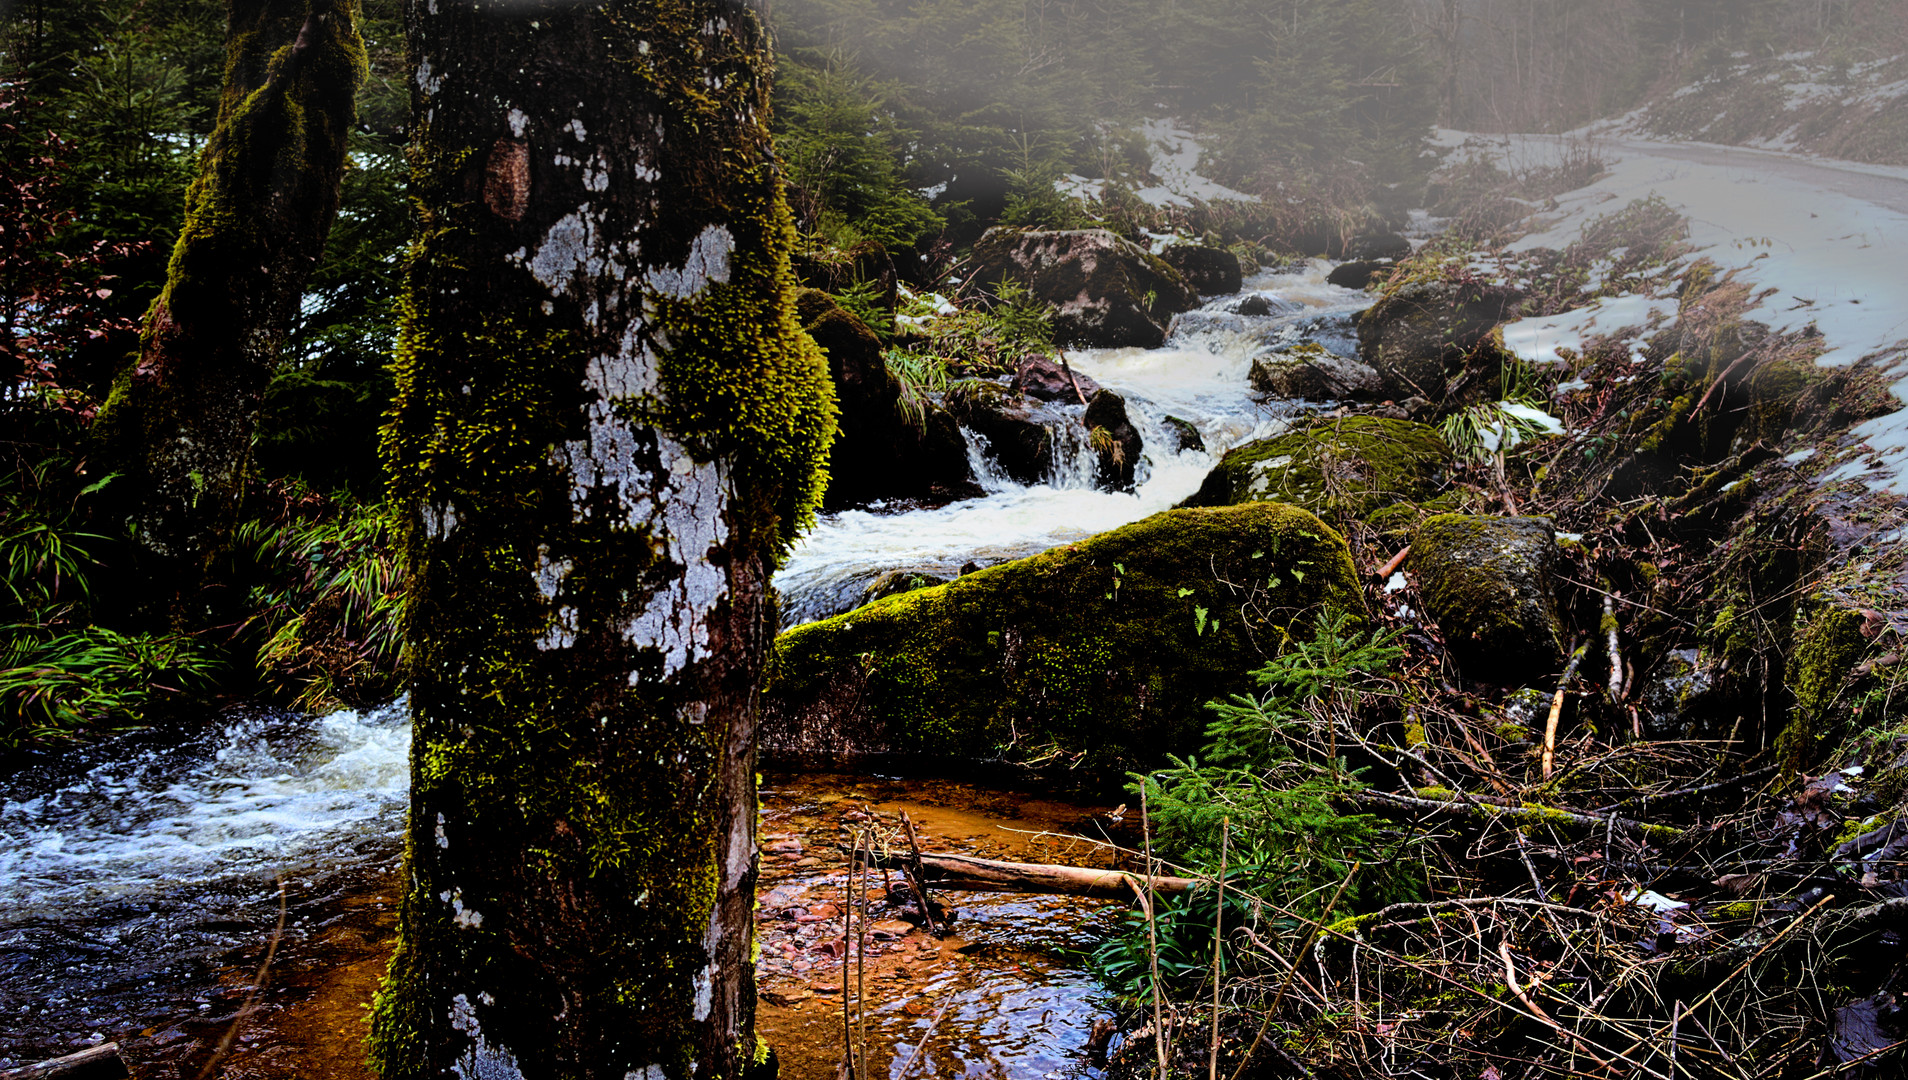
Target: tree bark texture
{"type": "Point", "coordinates": [180, 417]}
{"type": "Point", "coordinates": [609, 427]}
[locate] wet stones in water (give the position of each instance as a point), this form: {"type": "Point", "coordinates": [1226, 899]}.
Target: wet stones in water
{"type": "Point", "coordinates": [1015, 427]}
{"type": "Point", "coordinates": [1116, 442]}
{"type": "Point", "coordinates": [1184, 435]}
{"type": "Point", "coordinates": [1310, 372]}
{"type": "Point", "coordinates": [1486, 583]}
{"type": "Point", "coordinates": [880, 454]}
{"type": "Point", "coordinates": [1258, 304]}
{"type": "Point", "coordinates": [1104, 291]}
{"type": "Point", "coordinates": [1045, 378]}
{"type": "Point", "coordinates": [1210, 271]}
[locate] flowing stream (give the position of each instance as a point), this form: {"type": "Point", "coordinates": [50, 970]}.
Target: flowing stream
{"type": "Point", "coordinates": [141, 876]}
{"type": "Point", "coordinates": [1199, 377]}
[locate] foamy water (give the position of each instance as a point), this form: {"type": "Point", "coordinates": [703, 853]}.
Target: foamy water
{"type": "Point", "coordinates": [260, 795]}
{"type": "Point", "coordinates": [1200, 376]}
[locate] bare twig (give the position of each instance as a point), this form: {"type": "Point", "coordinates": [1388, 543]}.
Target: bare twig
{"type": "Point", "coordinates": [251, 998]}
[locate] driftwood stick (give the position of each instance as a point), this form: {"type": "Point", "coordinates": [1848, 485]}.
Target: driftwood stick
{"type": "Point", "coordinates": [100, 1062]}
{"type": "Point", "coordinates": [1395, 562]}
{"type": "Point", "coordinates": [1556, 709]}
{"type": "Point", "coordinates": [990, 875]}
{"type": "Point", "coordinates": [912, 870]}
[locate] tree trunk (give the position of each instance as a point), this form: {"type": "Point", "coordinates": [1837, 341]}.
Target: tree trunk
{"type": "Point", "coordinates": [608, 428]}
{"type": "Point", "coordinates": [180, 417]}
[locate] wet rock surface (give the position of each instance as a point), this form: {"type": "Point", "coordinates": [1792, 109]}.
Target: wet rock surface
{"type": "Point", "coordinates": [1418, 331]}
{"type": "Point", "coordinates": [1209, 271]}
{"type": "Point", "coordinates": [1310, 372]}
{"type": "Point", "coordinates": [1105, 291]}
{"type": "Point", "coordinates": [1116, 442]}
{"type": "Point", "coordinates": [879, 453]}
{"type": "Point", "coordinates": [1341, 469]}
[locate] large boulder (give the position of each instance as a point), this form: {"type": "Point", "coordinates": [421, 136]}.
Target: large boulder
{"type": "Point", "coordinates": [880, 453]}
{"type": "Point", "coordinates": [1050, 380]}
{"type": "Point", "coordinates": [1343, 469]}
{"type": "Point", "coordinates": [1116, 442]}
{"type": "Point", "coordinates": [1486, 583]}
{"type": "Point", "coordinates": [1105, 292]}
{"type": "Point", "coordinates": [1108, 648]}
{"type": "Point", "coordinates": [1209, 271]}
{"type": "Point", "coordinates": [1375, 246]}
{"type": "Point", "coordinates": [1417, 332]}
{"type": "Point", "coordinates": [1310, 372]}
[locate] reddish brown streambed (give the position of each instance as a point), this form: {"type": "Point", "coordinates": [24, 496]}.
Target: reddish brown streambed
{"type": "Point", "coordinates": [1009, 982]}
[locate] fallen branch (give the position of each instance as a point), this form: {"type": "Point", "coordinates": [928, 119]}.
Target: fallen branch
{"type": "Point", "coordinates": [990, 875]}
{"type": "Point", "coordinates": [1556, 709]}
{"type": "Point", "coordinates": [1529, 814]}
{"type": "Point", "coordinates": [100, 1062]}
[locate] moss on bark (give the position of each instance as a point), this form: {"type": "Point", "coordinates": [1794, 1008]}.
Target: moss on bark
{"type": "Point", "coordinates": [609, 427]}
{"type": "Point", "coordinates": [180, 416]}
{"type": "Point", "coordinates": [1106, 650]}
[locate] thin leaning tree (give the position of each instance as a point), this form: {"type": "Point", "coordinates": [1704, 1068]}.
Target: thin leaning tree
{"type": "Point", "coordinates": [608, 428]}
{"type": "Point", "coordinates": [182, 411]}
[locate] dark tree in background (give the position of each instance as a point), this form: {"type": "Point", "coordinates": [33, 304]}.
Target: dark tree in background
{"type": "Point", "coordinates": [180, 418]}
{"type": "Point", "coordinates": [608, 428]}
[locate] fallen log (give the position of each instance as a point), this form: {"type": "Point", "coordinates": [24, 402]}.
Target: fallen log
{"type": "Point", "coordinates": [991, 875]}
{"type": "Point", "coordinates": [100, 1062]}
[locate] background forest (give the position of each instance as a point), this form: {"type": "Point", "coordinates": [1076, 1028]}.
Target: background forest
{"type": "Point", "coordinates": [908, 124]}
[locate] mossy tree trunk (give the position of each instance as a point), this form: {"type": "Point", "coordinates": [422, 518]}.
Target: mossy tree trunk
{"type": "Point", "coordinates": [180, 418]}
{"type": "Point", "coordinates": [608, 428]}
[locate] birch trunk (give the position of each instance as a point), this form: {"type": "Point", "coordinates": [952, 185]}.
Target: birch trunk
{"type": "Point", "coordinates": [608, 428]}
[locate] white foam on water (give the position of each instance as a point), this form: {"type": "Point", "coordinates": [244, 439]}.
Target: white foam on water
{"type": "Point", "coordinates": [263, 794]}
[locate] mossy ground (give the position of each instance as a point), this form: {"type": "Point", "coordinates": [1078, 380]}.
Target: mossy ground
{"type": "Point", "coordinates": [1105, 651]}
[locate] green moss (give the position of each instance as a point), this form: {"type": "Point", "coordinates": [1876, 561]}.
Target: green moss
{"type": "Point", "coordinates": [1486, 582]}
{"type": "Point", "coordinates": [1045, 652]}
{"type": "Point", "coordinates": [1436, 794]}
{"type": "Point", "coordinates": [1741, 909]}
{"type": "Point", "coordinates": [1827, 648]}
{"type": "Point", "coordinates": [1342, 469]}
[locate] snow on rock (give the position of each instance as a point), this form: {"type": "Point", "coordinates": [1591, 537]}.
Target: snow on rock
{"type": "Point", "coordinates": [1175, 154]}
{"type": "Point", "coordinates": [1543, 340]}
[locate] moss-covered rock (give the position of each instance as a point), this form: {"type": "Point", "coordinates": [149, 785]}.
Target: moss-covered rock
{"type": "Point", "coordinates": [1107, 649]}
{"type": "Point", "coordinates": [1311, 372]}
{"type": "Point", "coordinates": [1417, 330]}
{"type": "Point", "coordinates": [1105, 292]}
{"type": "Point", "coordinates": [1486, 582]}
{"type": "Point", "coordinates": [1209, 271]}
{"type": "Point", "coordinates": [1343, 468]}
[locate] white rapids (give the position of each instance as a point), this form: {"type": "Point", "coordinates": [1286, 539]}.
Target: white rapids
{"type": "Point", "coordinates": [1199, 376]}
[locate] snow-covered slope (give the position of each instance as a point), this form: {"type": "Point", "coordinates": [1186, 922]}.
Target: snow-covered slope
{"type": "Point", "coordinates": [1824, 243]}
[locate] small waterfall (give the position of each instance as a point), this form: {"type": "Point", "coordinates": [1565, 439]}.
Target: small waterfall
{"type": "Point", "coordinates": [1076, 465]}
{"type": "Point", "coordinates": [1200, 376]}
